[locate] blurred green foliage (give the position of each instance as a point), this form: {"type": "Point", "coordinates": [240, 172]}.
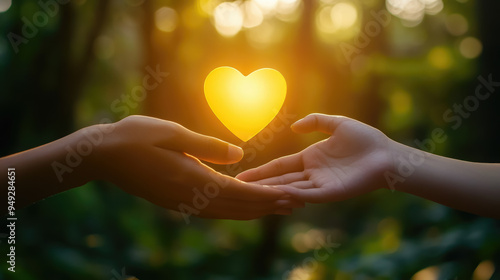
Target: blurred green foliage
{"type": "Point", "coordinates": [91, 53]}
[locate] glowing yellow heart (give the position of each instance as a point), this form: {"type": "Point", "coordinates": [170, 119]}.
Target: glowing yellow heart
{"type": "Point", "coordinates": [245, 105]}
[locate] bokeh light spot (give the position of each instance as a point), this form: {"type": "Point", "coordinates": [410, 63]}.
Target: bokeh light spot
{"type": "Point", "coordinates": [166, 19]}
{"type": "Point", "coordinates": [343, 15]}
{"type": "Point", "coordinates": [253, 15]}
{"type": "Point", "coordinates": [400, 102]}
{"type": "Point", "coordinates": [5, 5]}
{"type": "Point", "coordinates": [228, 19]}
{"type": "Point", "coordinates": [288, 10]}
{"type": "Point", "coordinates": [300, 273]}
{"type": "Point", "coordinates": [440, 58]}
{"type": "Point", "coordinates": [484, 270]}
{"type": "Point", "coordinates": [429, 273]}
{"type": "Point", "coordinates": [470, 47]}
{"type": "Point", "coordinates": [412, 11]}
{"type": "Point", "coordinates": [94, 240]}
{"type": "Point", "coordinates": [267, 6]}
{"type": "Point", "coordinates": [456, 24]}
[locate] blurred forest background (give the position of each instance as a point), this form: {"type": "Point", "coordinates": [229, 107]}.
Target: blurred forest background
{"type": "Point", "coordinates": [398, 65]}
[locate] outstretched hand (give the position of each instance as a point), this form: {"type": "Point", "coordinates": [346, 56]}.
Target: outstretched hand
{"type": "Point", "coordinates": [158, 160]}
{"type": "Point", "coordinates": [347, 164]}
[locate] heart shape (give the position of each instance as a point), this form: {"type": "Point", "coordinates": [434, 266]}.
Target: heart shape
{"type": "Point", "coordinates": [245, 105]}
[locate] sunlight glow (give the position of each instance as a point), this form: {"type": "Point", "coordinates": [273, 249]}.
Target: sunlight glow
{"type": "Point", "coordinates": [264, 35]}
{"type": "Point", "coordinates": [228, 19]}
{"type": "Point", "coordinates": [166, 19]}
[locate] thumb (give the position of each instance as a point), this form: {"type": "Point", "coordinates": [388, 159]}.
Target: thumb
{"type": "Point", "coordinates": [317, 122]}
{"type": "Point", "coordinates": [206, 148]}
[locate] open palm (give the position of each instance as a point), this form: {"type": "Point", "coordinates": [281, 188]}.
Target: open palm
{"type": "Point", "coordinates": [349, 163]}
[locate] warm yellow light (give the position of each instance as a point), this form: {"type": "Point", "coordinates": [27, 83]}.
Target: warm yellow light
{"type": "Point", "coordinates": [440, 58]}
{"type": "Point", "coordinates": [267, 6]}
{"type": "Point", "coordinates": [429, 273]}
{"type": "Point", "coordinates": [343, 15]}
{"type": "Point", "coordinates": [300, 273]}
{"type": "Point", "coordinates": [484, 270]}
{"type": "Point", "coordinates": [228, 19]}
{"type": "Point", "coordinates": [252, 14]}
{"type": "Point", "coordinates": [288, 10]}
{"type": "Point", "coordinates": [245, 105]}
{"type": "Point", "coordinates": [166, 19]}
{"type": "Point", "coordinates": [401, 103]}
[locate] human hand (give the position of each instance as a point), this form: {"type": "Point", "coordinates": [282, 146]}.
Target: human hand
{"type": "Point", "coordinates": [349, 163]}
{"type": "Point", "coordinates": [158, 160]}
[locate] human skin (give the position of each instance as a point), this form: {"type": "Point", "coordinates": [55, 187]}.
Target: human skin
{"type": "Point", "coordinates": [358, 159]}
{"type": "Point", "coordinates": [154, 159]}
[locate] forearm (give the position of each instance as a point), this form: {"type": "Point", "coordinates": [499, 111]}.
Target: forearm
{"type": "Point", "coordinates": [467, 186]}
{"type": "Point", "coordinates": [49, 169]}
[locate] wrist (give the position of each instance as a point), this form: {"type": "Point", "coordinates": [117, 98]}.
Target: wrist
{"type": "Point", "coordinates": [92, 139]}
{"type": "Point", "coordinates": [405, 161]}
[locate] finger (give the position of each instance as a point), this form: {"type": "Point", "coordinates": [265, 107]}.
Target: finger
{"type": "Point", "coordinates": [312, 195]}
{"type": "Point", "coordinates": [283, 179]}
{"type": "Point", "coordinates": [318, 122]}
{"type": "Point", "coordinates": [299, 185]}
{"type": "Point", "coordinates": [274, 168]}
{"type": "Point", "coordinates": [215, 184]}
{"type": "Point", "coordinates": [291, 203]}
{"type": "Point", "coordinates": [239, 190]}
{"type": "Point", "coordinates": [203, 147]}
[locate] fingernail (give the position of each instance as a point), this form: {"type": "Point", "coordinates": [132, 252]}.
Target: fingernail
{"type": "Point", "coordinates": [283, 211]}
{"type": "Point", "coordinates": [234, 153]}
